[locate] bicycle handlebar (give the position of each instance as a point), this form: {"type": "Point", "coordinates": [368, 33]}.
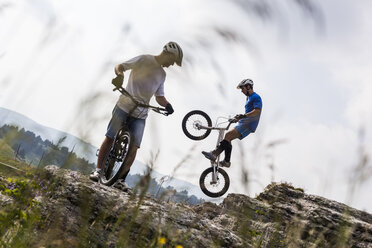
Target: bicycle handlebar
{"type": "Point", "coordinates": [230, 121]}
{"type": "Point", "coordinates": [159, 110]}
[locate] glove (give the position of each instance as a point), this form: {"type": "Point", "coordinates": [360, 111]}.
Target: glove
{"type": "Point", "coordinates": [169, 109]}
{"type": "Point", "coordinates": [118, 81]}
{"type": "Point", "coordinates": [239, 116]}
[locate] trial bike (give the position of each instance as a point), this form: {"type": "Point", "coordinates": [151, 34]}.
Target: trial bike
{"type": "Point", "coordinates": [115, 161]}
{"type": "Point", "coordinates": [197, 125]}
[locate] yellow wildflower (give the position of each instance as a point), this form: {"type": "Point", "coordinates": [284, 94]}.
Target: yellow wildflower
{"type": "Point", "coordinates": [162, 240]}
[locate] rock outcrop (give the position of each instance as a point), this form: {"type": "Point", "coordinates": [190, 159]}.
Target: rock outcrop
{"type": "Point", "coordinates": [71, 211]}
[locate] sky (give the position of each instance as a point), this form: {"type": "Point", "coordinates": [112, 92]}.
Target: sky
{"type": "Point", "coordinates": [312, 70]}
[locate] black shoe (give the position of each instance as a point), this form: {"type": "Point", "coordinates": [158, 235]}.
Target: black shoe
{"type": "Point", "coordinates": [224, 163]}
{"type": "Point", "coordinates": [209, 155]}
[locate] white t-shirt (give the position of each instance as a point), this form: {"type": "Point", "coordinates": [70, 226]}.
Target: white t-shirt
{"type": "Point", "coordinates": [145, 80]}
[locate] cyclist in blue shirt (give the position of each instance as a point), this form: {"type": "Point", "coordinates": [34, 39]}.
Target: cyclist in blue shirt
{"type": "Point", "coordinates": [247, 123]}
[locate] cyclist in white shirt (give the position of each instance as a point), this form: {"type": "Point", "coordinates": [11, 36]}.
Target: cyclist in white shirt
{"type": "Point", "coordinates": [146, 79]}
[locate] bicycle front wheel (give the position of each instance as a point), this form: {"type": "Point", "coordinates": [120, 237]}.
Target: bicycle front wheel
{"type": "Point", "coordinates": [192, 123]}
{"type": "Point", "coordinates": [115, 160]}
{"type": "Point", "coordinates": [214, 188]}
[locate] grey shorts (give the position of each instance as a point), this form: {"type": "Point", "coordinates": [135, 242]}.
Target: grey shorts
{"type": "Point", "coordinates": [119, 117]}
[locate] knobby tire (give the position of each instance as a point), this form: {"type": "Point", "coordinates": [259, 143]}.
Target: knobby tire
{"type": "Point", "coordinates": [196, 117]}
{"type": "Point", "coordinates": [123, 138]}
{"type": "Point", "coordinates": [204, 185]}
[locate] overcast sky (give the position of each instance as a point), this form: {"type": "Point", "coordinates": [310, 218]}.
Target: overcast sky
{"type": "Point", "coordinates": [312, 70]}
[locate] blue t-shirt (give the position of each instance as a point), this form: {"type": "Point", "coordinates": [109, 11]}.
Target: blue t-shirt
{"type": "Point", "coordinates": [253, 101]}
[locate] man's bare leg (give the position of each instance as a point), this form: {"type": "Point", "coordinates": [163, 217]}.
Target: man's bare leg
{"type": "Point", "coordinates": [103, 150]}
{"type": "Point", "coordinates": [131, 157]}
{"type": "Point", "coordinates": [232, 134]}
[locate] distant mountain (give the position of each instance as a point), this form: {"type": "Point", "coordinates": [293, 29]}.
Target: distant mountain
{"type": "Point", "coordinates": [88, 151]}
{"type": "Point", "coordinates": [82, 148]}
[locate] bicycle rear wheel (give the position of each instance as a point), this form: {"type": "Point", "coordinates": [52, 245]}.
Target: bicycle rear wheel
{"type": "Point", "coordinates": [192, 122]}
{"type": "Point", "coordinates": [115, 161]}
{"type": "Point", "coordinates": [214, 189]}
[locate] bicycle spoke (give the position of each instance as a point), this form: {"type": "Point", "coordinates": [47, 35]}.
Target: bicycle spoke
{"type": "Point", "coordinates": [214, 187]}
{"type": "Point", "coordinates": [192, 125]}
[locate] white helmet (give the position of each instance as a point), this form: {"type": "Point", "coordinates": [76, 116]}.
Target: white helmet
{"type": "Point", "coordinates": [173, 47]}
{"type": "Point", "coordinates": [245, 82]}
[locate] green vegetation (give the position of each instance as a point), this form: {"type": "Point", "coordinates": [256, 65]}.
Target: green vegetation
{"type": "Point", "coordinates": [7, 162]}
{"type": "Point", "coordinates": [21, 215]}
{"type": "Point", "coordinates": [5, 149]}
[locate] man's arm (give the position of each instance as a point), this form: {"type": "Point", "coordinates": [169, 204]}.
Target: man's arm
{"type": "Point", "coordinates": [161, 100]}
{"type": "Point", "coordinates": [253, 113]}
{"type": "Point", "coordinates": [119, 70]}
{"type": "Point", "coordinates": [164, 102]}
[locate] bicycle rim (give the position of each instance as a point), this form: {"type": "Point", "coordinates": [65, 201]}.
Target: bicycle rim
{"type": "Point", "coordinates": [192, 121]}
{"type": "Point", "coordinates": [214, 189]}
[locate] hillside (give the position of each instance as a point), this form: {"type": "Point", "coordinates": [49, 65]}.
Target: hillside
{"type": "Point", "coordinates": [63, 208]}
{"type": "Point", "coordinates": [5, 149]}
{"type": "Point", "coordinates": [82, 148]}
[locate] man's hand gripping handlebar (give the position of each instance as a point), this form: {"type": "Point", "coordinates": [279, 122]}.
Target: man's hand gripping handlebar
{"type": "Point", "coordinates": [236, 118]}
{"type": "Point", "coordinates": [118, 81]}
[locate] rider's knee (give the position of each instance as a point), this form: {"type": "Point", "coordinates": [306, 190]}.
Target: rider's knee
{"type": "Point", "coordinates": [231, 135]}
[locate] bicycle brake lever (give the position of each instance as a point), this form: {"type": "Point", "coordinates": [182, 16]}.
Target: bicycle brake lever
{"type": "Point", "coordinates": [116, 88]}
{"type": "Point", "coordinates": [119, 89]}
{"type": "Point", "coordinates": [160, 112]}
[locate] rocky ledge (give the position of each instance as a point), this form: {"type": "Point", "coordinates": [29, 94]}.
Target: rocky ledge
{"type": "Point", "coordinates": [68, 210]}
